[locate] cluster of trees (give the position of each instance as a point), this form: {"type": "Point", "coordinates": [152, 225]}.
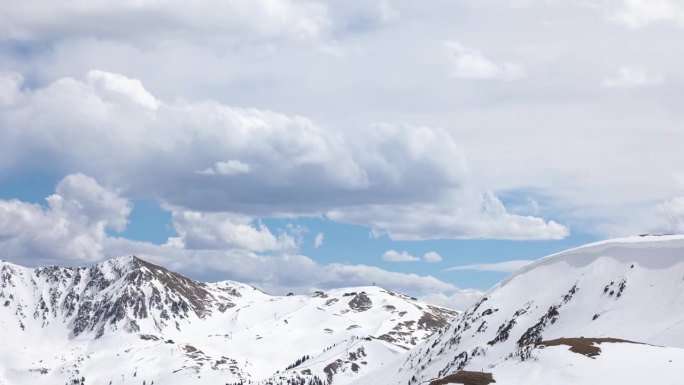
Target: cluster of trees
{"type": "Point", "coordinates": [298, 362]}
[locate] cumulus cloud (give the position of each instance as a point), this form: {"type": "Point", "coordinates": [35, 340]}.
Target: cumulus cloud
{"type": "Point", "coordinates": [395, 256]}
{"type": "Point", "coordinates": [629, 77]}
{"type": "Point", "coordinates": [499, 267]}
{"type": "Point", "coordinates": [74, 122]}
{"type": "Point", "coordinates": [470, 63]}
{"type": "Point", "coordinates": [221, 231]}
{"type": "Point", "coordinates": [121, 89]}
{"type": "Point", "coordinates": [279, 165]}
{"type": "Point", "coordinates": [432, 257]}
{"type": "Point", "coordinates": [522, 136]}
{"type": "Point", "coordinates": [71, 228]}
{"type": "Point", "coordinates": [404, 256]}
{"type": "Point", "coordinates": [474, 216]}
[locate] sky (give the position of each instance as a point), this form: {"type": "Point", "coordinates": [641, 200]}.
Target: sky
{"type": "Point", "coordinates": [428, 147]}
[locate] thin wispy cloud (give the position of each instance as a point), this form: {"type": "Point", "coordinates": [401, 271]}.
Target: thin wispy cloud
{"type": "Point", "coordinates": [499, 267]}
{"type": "Point", "coordinates": [318, 240]}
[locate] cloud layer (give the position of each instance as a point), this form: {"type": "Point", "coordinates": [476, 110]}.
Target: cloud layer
{"type": "Point", "coordinates": [73, 229]}
{"type": "Point", "coordinates": [472, 119]}
{"type": "Point", "coordinates": [277, 164]}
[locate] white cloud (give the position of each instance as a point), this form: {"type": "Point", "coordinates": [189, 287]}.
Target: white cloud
{"type": "Point", "coordinates": [74, 122]}
{"type": "Point", "coordinates": [639, 13]}
{"type": "Point", "coordinates": [280, 273]}
{"type": "Point", "coordinates": [432, 257]}
{"type": "Point", "coordinates": [303, 168]}
{"type": "Point", "coordinates": [71, 228]}
{"type": "Point", "coordinates": [671, 214]}
{"type": "Point", "coordinates": [121, 89]}
{"type": "Point", "coordinates": [666, 217]}
{"type": "Point", "coordinates": [404, 256]}
{"type": "Point", "coordinates": [629, 77]}
{"type": "Point", "coordinates": [500, 267]}
{"type": "Point", "coordinates": [458, 300]}
{"type": "Point", "coordinates": [9, 87]}
{"type": "Point", "coordinates": [395, 256]}
{"type": "Point", "coordinates": [318, 241]}
{"type": "Point", "coordinates": [225, 231]}
{"type": "Point", "coordinates": [470, 63]}
{"type": "Point", "coordinates": [469, 216]}
{"type": "Point", "coordinates": [519, 136]}
{"type": "Point", "coordinates": [336, 274]}
{"type": "Point", "coordinates": [231, 167]}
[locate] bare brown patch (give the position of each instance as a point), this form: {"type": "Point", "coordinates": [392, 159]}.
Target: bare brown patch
{"type": "Point", "coordinates": [466, 378]}
{"type": "Point", "coordinates": [585, 346]}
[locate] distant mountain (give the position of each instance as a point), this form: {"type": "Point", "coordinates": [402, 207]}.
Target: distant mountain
{"type": "Point", "coordinates": [606, 313]}
{"type": "Point", "coordinates": [127, 321]}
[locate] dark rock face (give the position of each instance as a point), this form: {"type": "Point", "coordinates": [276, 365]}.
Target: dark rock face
{"type": "Point", "coordinates": [360, 302]}
{"type": "Point", "coordinates": [433, 319]}
{"type": "Point", "coordinates": [352, 363]}
{"type": "Point", "coordinates": [122, 299]}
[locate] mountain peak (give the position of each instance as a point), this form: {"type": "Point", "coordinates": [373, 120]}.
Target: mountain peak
{"type": "Point", "coordinates": [190, 331]}
{"type": "Point", "coordinates": [627, 289]}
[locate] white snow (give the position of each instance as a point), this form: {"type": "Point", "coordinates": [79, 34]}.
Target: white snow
{"type": "Point", "coordinates": [631, 288]}
{"type": "Point", "coordinates": [235, 333]}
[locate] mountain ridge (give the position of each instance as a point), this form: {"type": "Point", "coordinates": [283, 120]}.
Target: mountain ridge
{"type": "Point", "coordinates": [625, 289]}
{"type": "Point", "coordinates": [76, 319]}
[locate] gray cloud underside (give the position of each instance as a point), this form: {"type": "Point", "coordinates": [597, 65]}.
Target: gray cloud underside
{"type": "Point", "coordinates": [210, 157]}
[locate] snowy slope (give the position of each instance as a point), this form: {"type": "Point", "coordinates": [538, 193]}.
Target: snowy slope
{"type": "Point", "coordinates": [128, 321]}
{"type": "Point", "coordinates": [631, 289]}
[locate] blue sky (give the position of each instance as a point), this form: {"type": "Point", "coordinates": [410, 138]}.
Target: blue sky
{"type": "Point", "coordinates": [431, 148]}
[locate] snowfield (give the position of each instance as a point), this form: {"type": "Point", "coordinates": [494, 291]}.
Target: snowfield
{"type": "Point", "coordinates": [630, 289]}
{"type": "Point", "coordinates": [606, 313]}
{"type": "Point", "coordinates": [127, 321]}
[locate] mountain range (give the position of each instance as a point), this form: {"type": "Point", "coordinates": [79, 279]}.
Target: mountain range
{"type": "Point", "coordinates": [606, 313]}
{"type": "Point", "coordinates": [127, 321]}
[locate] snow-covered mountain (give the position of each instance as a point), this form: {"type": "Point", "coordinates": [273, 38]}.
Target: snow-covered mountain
{"type": "Point", "coordinates": [606, 313]}
{"type": "Point", "coordinates": [127, 321]}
